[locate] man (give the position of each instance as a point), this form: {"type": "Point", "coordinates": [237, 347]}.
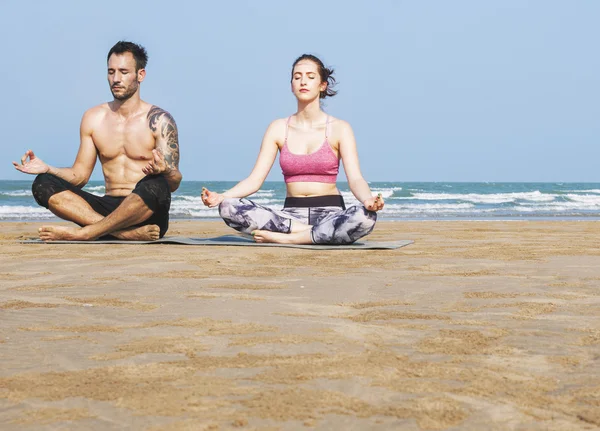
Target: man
{"type": "Point", "coordinates": [138, 148]}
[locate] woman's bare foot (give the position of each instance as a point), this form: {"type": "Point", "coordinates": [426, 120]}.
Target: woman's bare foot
{"type": "Point", "coordinates": [296, 226]}
{"type": "Point", "coordinates": [302, 237]}
{"type": "Point", "coordinates": [58, 233]}
{"type": "Point", "coordinates": [149, 232]}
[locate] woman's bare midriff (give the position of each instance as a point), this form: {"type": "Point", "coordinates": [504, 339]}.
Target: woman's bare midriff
{"type": "Point", "coordinates": [302, 190]}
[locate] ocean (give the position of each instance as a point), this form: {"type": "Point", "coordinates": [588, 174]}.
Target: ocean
{"type": "Point", "coordinates": [403, 200]}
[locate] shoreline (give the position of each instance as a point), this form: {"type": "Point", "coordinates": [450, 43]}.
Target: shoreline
{"type": "Point", "coordinates": [405, 201]}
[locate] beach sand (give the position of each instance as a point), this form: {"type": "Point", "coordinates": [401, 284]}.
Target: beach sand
{"type": "Point", "coordinates": [476, 326]}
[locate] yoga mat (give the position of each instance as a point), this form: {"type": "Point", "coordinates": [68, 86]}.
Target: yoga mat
{"type": "Point", "coordinates": [234, 240]}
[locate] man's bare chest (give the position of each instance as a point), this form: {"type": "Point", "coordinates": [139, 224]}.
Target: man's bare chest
{"type": "Point", "coordinates": [131, 139]}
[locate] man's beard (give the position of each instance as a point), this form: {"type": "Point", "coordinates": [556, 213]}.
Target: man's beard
{"type": "Point", "coordinates": [129, 91]}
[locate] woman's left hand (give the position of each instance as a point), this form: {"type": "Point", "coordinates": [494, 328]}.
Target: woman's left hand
{"type": "Point", "coordinates": [374, 204]}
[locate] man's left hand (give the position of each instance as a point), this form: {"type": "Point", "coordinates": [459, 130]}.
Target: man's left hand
{"type": "Point", "coordinates": [157, 165]}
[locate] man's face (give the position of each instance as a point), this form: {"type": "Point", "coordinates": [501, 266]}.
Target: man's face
{"type": "Point", "coordinates": [123, 79]}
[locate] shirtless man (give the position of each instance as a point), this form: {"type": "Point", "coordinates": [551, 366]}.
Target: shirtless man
{"type": "Point", "coordinates": [138, 148]}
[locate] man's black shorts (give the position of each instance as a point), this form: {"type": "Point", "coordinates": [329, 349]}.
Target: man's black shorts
{"type": "Point", "coordinates": [154, 191]}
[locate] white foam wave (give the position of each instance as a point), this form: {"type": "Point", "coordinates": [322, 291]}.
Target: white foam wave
{"type": "Point", "coordinates": [267, 202]}
{"type": "Point", "coordinates": [192, 209]}
{"type": "Point", "coordinates": [263, 194]}
{"type": "Point", "coordinates": [586, 199]}
{"type": "Point", "coordinates": [24, 212]}
{"type": "Point", "coordinates": [432, 212]}
{"type": "Point", "coordinates": [260, 194]}
{"type": "Point", "coordinates": [560, 206]}
{"type": "Point", "coordinates": [199, 213]}
{"type": "Point", "coordinates": [584, 191]}
{"type": "Point", "coordinates": [496, 198]}
{"type": "Point", "coordinates": [95, 190]}
{"type": "Point", "coordinates": [349, 198]}
{"type": "Point", "coordinates": [189, 205]}
{"type": "Point", "coordinates": [386, 192]}
{"type": "Point", "coordinates": [197, 199]}
{"type": "Point", "coordinates": [16, 193]}
{"type": "Point", "coordinates": [427, 207]}
{"type": "Point", "coordinates": [388, 188]}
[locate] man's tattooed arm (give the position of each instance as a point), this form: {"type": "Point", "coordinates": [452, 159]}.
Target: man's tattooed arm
{"type": "Point", "coordinates": [164, 129]}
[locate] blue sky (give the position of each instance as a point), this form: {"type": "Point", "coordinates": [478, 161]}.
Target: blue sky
{"type": "Point", "coordinates": [501, 90]}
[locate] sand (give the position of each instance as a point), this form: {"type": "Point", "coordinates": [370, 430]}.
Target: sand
{"type": "Point", "coordinates": [478, 325]}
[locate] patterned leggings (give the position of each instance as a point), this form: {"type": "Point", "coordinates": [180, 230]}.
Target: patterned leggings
{"type": "Point", "coordinates": [330, 224]}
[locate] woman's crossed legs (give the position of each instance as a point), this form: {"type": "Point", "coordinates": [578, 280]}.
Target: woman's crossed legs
{"type": "Point", "coordinates": [298, 225]}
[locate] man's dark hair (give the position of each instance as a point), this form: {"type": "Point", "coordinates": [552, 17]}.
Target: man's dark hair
{"type": "Point", "coordinates": [138, 52]}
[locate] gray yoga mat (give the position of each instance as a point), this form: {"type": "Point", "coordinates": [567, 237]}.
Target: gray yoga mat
{"type": "Point", "coordinates": [241, 241]}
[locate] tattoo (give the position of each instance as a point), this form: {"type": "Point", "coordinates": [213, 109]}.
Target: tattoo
{"type": "Point", "coordinates": [161, 122]}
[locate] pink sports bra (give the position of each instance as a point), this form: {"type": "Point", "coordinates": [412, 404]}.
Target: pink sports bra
{"type": "Point", "coordinates": [321, 166]}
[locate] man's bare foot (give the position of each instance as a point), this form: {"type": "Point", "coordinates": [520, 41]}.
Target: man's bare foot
{"type": "Point", "coordinates": [62, 233]}
{"type": "Point", "coordinates": [57, 233]}
{"type": "Point", "coordinates": [149, 232]}
{"type": "Point", "coordinates": [302, 237]}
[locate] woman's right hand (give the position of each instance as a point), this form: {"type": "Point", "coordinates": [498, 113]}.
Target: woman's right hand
{"type": "Point", "coordinates": [32, 166]}
{"type": "Point", "coordinates": [211, 199]}
{"type": "Point", "coordinates": [375, 203]}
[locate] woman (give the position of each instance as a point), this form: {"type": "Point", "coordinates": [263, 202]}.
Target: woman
{"type": "Point", "coordinates": [311, 144]}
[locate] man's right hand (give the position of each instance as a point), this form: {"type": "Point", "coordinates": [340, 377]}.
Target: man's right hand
{"type": "Point", "coordinates": [32, 166]}
{"type": "Point", "coordinates": [211, 199]}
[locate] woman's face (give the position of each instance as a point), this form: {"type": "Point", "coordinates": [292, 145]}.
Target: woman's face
{"type": "Point", "coordinates": [306, 81]}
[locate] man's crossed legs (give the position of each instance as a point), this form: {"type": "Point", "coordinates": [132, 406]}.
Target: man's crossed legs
{"type": "Point", "coordinates": [142, 216]}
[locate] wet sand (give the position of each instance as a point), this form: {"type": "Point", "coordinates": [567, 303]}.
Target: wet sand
{"type": "Point", "coordinates": [478, 325]}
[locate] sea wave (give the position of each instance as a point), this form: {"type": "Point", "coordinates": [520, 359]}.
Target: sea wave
{"type": "Point", "coordinates": [193, 212]}
{"type": "Point", "coordinates": [197, 199]}
{"type": "Point", "coordinates": [585, 199]}
{"type": "Point", "coordinates": [22, 212]}
{"type": "Point", "coordinates": [583, 191]}
{"type": "Point", "coordinates": [386, 192]}
{"type": "Point", "coordinates": [427, 207]}
{"type": "Point", "coordinates": [495, 198]}
{"type": "Point", "coordinates": [263, 194]}
{"type": "Point", "coordinates": [559, 207]}
{"type": "Point", "coordinates": [402, 200]}
{"type": "Point", "coordinates": [17, 193]}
